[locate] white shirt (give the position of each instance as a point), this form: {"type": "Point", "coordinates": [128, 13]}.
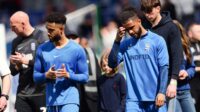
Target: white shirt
{"type": "Point", "coordinates": [4, 69]}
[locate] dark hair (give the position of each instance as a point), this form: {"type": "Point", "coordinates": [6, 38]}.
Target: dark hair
{"type": "Point", "coordinates": [148, 5]}
{"type": "Point", "coordinates": [56, 18]}
{"type": "Point", "coordinates": [185, 42]}
{"type": "Point", "coordinates": [127, 13]}
{"type": "Point", "coordinates": [191, 24]}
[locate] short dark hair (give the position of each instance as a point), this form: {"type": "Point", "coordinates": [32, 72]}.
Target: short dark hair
{"type": "Point", "coordinates": [127, 13]}
{"type": "Point", "coordinates": [191, 24]}
{"type": "Point", "coordinates": [56, 18]}
{"type": "Point", "coordinates": [148, 5]}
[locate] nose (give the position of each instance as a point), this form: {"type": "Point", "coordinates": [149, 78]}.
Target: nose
{"type": "Point", "coordinates": [48, 34]}
{"type": "Point", "coordinates": [130, 32]}
{"type": "Point", "coordinates": [147, 15]}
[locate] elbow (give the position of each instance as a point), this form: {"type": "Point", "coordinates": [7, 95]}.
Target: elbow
{"type": "Point", "coordinates": [86, 79]}
{"type": "Point", "coordinates": [38, 79]}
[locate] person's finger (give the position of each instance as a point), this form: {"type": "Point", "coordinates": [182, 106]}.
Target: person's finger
{"type": "Point", "coordinates": [63, 65]}
{"type": "Point", "coordinates": [121, 28]}
{"type": "Point", "coordinates": [53, 68]}
{"type": "Point", "coordinates": [17, 53]}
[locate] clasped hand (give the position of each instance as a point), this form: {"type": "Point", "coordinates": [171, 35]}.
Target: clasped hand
{"type": "Point", "coordinates": [59, 73]}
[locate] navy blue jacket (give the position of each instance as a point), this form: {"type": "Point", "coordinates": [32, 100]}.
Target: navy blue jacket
{"type": "Point", "coordinates": [112, 93]}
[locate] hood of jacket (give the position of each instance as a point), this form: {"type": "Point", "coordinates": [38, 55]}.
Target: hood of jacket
{"type": "Point", "coordinates": [165, 19]}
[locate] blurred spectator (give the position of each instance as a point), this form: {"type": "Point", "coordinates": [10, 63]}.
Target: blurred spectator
{"type": "Point", "coordinates": [108, 34]}
{"type": "Point", "coordinates": [194, 36]}
{"type": "Point", "coordinates": [168, 6]}
{"type": "Point", "coordinates": [187, 71]}
{"type": "Point", "coordinates": [88, 92]}
{"type": "Point", "coordinates": [85, 30]}
{"type": "Point", "coordinates": [185, 10]}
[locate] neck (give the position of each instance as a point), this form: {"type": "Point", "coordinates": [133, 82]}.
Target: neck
{"type": "Point", "coordinates": [29, 31]}
{"type": "Point", "coordinates": [144, 31]}
{"type": "Point", "coordinates": [62, 42]}
{"type": "Point", "coordinates": [110, 75]}
{"type": "Point", "coordinates": [157, 20]}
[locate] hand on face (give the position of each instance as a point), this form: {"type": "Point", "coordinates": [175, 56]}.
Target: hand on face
{"type": "Point", "coordinates": [120, 34]}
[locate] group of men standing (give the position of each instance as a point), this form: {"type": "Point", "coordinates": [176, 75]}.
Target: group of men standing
{"type": "Point", "coordinates": [50, 68]}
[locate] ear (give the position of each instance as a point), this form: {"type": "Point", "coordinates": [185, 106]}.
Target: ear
{"type": "Point", "coordinates": [139, 20]}
{"type": "Point", "coordinates": [189, 34]}
{"type": "Point", "coordinates": [158, 8]}
{"type": "Point", "coordinates": [23, 24]}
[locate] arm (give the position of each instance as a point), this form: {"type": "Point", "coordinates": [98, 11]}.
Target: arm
{"type": "Point", "coordinates": [163, 63]}
{"type": "Point", "coordinates": [13, 66]}
{"type": "Point", "coordinates": [115, 57]}
{"type": "Point", "coordinates": [39, 73]}
{"type": "Point", "coordinates": [176, 59]}
{"type": "Point", "coordinates": [188, 72]}
{"type": "Point", "coordinates": [6, 83]}
{"type": "Point", "coordinates": [5, 91]}
{"type": "Point", "coordinates": [81, 67]}
{"type": "Point", "coordinates": [175, 51]}
{"type": "Point", "coordinates": [191, 70]}
{"type": "Point", "coordinates": [163, 79]}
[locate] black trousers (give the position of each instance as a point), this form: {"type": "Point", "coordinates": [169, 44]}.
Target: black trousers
{"type": "Point", "coordinates": [195, 90]}
{"type": "Point", "coordinates": [30, 104]}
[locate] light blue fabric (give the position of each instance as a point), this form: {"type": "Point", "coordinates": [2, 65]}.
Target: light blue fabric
{"type": "Point", "coordinates": [144, 107]}
{"type": "Point", "coordinates": [62, 90]}
{"type": "Point", "coordinates": [143, 59]}
{"type": "Point", "coordinates": [184, 102]}
{"type": "Point", "coordinates": [64, 108]}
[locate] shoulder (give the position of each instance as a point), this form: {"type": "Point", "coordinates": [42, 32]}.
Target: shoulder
{"type": "Point", "coordinates": [45, 45]}
{"type": "Point", "coordinates": [126, 42]}
{"type": "Point", "coordinates": [40, 35]}
{"type": "Point", "coordinates": [119, 76]}
{"type": "Point", "coordinates": [75, 46]}
{"type": "Point", "coordinates": [171, 26]}
{"type": "Point", "coordinates": [155, 37]}
{"type": "Point", "coordinates": [17, 40]}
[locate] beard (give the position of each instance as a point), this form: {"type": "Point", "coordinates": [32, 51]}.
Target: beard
{"type": "Point", "coordinates": [56, 38]}
{"type": "Point", "coordinates": [138, 34]}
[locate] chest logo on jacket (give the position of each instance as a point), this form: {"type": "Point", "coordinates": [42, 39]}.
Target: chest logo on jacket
{"type": "Point", "coordinates": [147, 47]}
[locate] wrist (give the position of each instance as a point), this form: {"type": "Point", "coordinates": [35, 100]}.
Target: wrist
{"type": "Point", "coordinates": [5, 96]}
{"type": "Point", "coordinates": [173, 82]}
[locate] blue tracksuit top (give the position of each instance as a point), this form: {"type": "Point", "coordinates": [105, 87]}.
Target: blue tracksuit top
{"type": "Point", "coordinates": [61, 91]}
{"type": "Point", "coordinates": [190, 68]}
{"type": "Point", "coordinates": [143, 60]}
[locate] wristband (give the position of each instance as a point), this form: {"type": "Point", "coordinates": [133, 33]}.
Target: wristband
{"type": "Point", "coordinates": [173, 82]}
{"type": "Point", "coordinates": [6, 96]}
